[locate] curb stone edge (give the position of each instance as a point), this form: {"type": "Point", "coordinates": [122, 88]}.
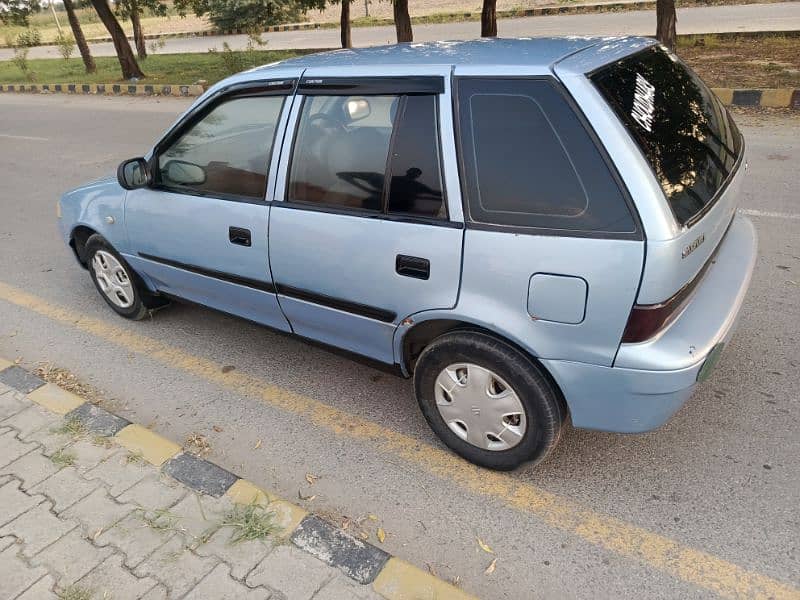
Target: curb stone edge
{"type": "Point", "coordinates": [389, 577]}
{"type": "Point", "coordinates": [751, 97]}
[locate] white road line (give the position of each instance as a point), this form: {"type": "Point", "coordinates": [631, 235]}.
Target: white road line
{"type": "Point", "coordinates": [32, 138]}
{"type": "Point", "coordinates": [761, 213]}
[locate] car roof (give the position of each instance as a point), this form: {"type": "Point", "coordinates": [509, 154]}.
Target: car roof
{"type": "Point", "coordinates": [531, 52]}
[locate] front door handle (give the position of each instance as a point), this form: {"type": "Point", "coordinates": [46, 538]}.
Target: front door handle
{"type": "Point", "coordinates": [239, 236]}
{"type": "Point", "coordinates": [412, 266]}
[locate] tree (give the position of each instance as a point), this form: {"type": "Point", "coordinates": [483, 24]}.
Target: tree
{"type": "Point", "coordinates": [489, 18]}
{"type": "Point", "coordinates": [344, 25]}
{"type": "Point", "coordinates": [80, 39]}
{"type": "Point", "coordinates": [402, 21]}
{"type": "Point", "coordinates": [127, 61]}
{"type": "Point", "coordinates": [133, 9]}
{"type": "Point", "coordinates": [16, 12]}
{"type": "Point", "coordinates": [246, 15]}
{"type": "Point", "coordinates": [665, 22]}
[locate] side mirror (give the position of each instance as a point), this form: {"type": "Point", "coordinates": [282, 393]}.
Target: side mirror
{"type": "Point", "coordinates": [184, 173]}
{"type": "Point", "coordinates": [133, 174]}
{"type": "Point", "coordinates": [357, 109]}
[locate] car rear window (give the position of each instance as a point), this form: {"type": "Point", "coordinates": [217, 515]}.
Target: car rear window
{"type": "Point", "coordinates": [683, 129]}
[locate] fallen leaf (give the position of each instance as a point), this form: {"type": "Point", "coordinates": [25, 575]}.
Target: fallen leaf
{"type": "Point", "coordinates": [456, 581]}
{"type": "Point", "coordinates": [381, 535]}
{"type": "Point", "coordinates": [346, 523]}
{"type": "Point", "coordinates": [258, 445]}
{"type": "Point", "coordinates": [96, 534]}
{"type": "Point", "coordinates": [217, 428]}
{"type": "Point", "coordinates": [372, 517]}
{"type": "Point", "coordinates": [311, 479]}
{"type": "Point", "coordinates": [364, 535]}
{"type": "Point", "coordinates": [308, 498]}
{"type": "Point", "coordinates": [490, 569]}
{"type": "Point", "coordinates": [484, 547]}
{"type": "Point", "coordinates": [432, 570]}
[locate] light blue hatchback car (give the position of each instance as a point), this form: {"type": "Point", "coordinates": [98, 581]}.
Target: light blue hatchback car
{"type": "Point", "coordinates": [536, 230]}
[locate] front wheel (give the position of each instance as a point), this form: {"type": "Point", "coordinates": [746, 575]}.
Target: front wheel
{"type": "Point", "coordinates": [487, 401]}
{"type": "Point", "coordinates": [117, 283]}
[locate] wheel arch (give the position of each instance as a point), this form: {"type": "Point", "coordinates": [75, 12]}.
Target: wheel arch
{"type": "Point", "coordinates": [410, 344]}
{"type": "Point", "coordinates": [77, 241]}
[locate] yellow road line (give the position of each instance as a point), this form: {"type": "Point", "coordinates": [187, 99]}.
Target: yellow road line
{"type": "Point", "coordinates": [657, 551]}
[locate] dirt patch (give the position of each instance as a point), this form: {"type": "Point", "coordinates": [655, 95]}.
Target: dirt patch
{"type": "Point", "coordinates": [68, 381]}
{"type": "Point", "coordinates": [766, 62]}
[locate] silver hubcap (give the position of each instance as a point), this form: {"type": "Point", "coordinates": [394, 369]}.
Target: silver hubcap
{"type": "Point", "coordinates": [479, 407]}
{"type": "Point", "coordinates": [113, 279]}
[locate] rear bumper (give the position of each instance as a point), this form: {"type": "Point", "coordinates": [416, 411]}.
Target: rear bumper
{"type": "Point", "coordinates": [651, 380]}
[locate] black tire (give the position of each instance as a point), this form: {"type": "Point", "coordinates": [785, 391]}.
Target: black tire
{"type": "Point", "coordinates": [541, 400]}
{"type": "Point", "coordinates": [143, 300]}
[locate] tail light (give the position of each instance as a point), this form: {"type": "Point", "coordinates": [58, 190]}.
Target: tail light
{"type": "Point", "coordinates": [646, 320]}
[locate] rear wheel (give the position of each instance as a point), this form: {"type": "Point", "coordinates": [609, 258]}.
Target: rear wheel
{"type": "Point", "coordinates": [118, 284]}
{"type": "Point", "coordinates": [487, 401]}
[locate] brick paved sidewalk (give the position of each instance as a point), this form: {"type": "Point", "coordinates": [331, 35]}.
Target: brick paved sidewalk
{"type": "Point", "coordinates": [81, 517]}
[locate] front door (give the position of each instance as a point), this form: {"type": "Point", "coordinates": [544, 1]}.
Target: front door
{"type": "Point", "coordinates": [362, 238]}
{"type": "Point", "coordinates": [200, 232]}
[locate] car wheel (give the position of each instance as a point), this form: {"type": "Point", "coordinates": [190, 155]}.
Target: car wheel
{"type": "Point", "coordinates": [118, 284]}
{"type": "Point", "coordinates": [487, 401]}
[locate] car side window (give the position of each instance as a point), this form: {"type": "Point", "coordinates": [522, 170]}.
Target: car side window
{"type": "Point", "coordinates": [529, 161]}
{"type": "Point", "coordinates": [416, 173]}
{"type": "Point", "coordinates": [226, 153]}
{"type": "Point", "coordinates": [371, 153]}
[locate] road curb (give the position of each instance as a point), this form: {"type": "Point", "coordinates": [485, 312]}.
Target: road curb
{"type": "Point", "coordinates": [104, 89]}
{"type": "Point", "coordinates": [364, 563]}
{"type": "Point", "coordinates": [756, 97]}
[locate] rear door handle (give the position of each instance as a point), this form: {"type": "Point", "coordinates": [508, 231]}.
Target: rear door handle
{"type": "Point", "coordinates": [239, 236]}
{"type": "Point", "coordinates": [412, 266]}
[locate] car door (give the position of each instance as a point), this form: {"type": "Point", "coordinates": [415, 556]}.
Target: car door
{"type": "Point", "coordinates": [200, 231]}
{"type": "Point", "coordinates": [362, 237]}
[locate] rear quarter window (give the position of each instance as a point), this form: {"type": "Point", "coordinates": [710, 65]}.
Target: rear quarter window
{"type": "Point", "coordinates": [529, 162]}
{"type": "Point", "coordinates": [681, 127]}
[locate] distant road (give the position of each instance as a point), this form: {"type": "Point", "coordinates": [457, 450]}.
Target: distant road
{"type": "Point", "coordinates": [709, 19]}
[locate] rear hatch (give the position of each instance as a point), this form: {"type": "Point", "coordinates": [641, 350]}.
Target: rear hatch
{"type": "Point", "coordinates": [694, 150]}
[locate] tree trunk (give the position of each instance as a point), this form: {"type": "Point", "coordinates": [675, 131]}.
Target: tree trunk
{"type": "Point", "coordinates": [127, 61]}
{"type": "Point", "coordinates": [489, 18]}
{"type": "Point", "coordinates": [138, 34]}
{"type": "Point", "coordinates": [402, 21]}
{"type": "Point", "coordinates": [80, 40]}
{"type": "Point", "coordinates": [347, 39]}
{"type": "Point", "coordinates": [665, 22]}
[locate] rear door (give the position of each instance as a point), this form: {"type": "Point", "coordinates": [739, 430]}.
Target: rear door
{"type": "Point", "coordinates": [693, 149]}
{"type": "Point", "coordinates": [362, 236]}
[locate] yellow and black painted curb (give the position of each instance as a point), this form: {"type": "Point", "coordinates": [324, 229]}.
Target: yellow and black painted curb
{"type": "Point", "coordinates": [100, 89]}
{"type": "Point", "coordinates": [390, 577]}
{"type": "Point", "coordinates": [765, 97]}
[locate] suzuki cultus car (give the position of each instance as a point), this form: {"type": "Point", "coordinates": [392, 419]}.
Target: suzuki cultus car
{"type": "Point", "coordinates": [535, 230]}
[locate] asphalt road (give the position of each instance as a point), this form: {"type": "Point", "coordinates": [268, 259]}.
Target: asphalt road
{"type": "Point", "coordinates": [705, 506]}
{"type": "Point", "coordinates": [778, 16]}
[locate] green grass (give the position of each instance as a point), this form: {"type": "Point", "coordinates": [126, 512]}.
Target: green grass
{"type": "Point", "coordinates": [62, 458]}
{"type": "Point", "coordinates": [251, 522]}
{"type": "Point", "coordinates": [75, 592]}
{"type": "Point", "coordinates": [71, 427]}
{"type": "Point", "coordinates": [178, 69]}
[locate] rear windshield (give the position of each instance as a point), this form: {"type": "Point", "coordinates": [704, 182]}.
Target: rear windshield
{"type": "Point", "coordinates": [681, 127]}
